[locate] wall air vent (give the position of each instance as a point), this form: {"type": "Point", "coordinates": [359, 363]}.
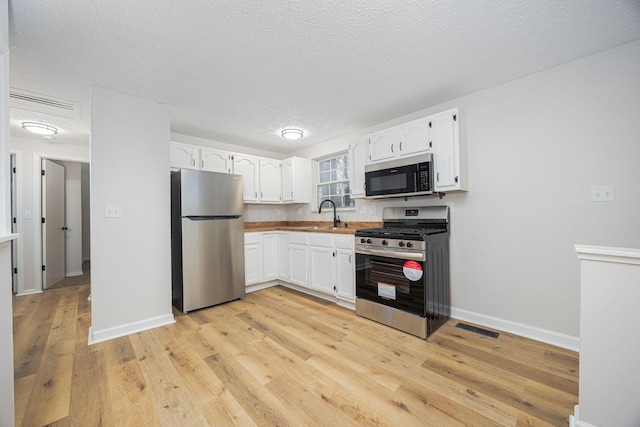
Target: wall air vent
{"type": "Point", "coordinates": [39, 103]}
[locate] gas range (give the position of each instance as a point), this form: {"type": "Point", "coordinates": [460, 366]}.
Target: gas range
{"type": "Point", "coordinates": [402, 269]}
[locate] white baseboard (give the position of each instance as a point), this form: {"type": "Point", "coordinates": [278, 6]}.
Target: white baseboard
{"type": "Point", "coordinates": [550, 337]}
{"type": "Point", "coordinates": [73, 274]}
{"type": "Point", "coordinates": [308, 291]}
{"type": "Point", "coordinates": [29, 292]}
{"type": "Point", "coordinates": [258, 286]}
{"type": "Point", "coordinates": [347, 304]}
{"type": "Point", "coordinates": [574, 420]}
{"type": "Point", "coordinates": [129, 328]}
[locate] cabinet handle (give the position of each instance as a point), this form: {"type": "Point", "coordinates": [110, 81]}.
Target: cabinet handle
{"type": "Point", "coordinates": [256, 196]}
{"type": "Point", "coordinates": [456, 179]}
{"type": "Point", "coordinates": [400, 145]}
{"type": "Point", "coordinates": [430, 144]}
{"type": "Point", "coordinates": [292, 194]}
{"type": "Point", "coordinates": [334, 253]}
{"type": "Point", "coordinates": [349, 258]}
{"type": "Point", "coordinates": [261, 195]}
{"type": "Point", "coordinates": [438, 177]}
{"type": "Point", "coordinates": [202, 163]}
{"type": "Point", "coordinates": [193, 162]}
{"type": "Point", "coordinates": [392, 148]}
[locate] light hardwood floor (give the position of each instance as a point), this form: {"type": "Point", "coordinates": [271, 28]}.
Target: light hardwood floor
{"type": "Point", "coordinates": [278, 358]}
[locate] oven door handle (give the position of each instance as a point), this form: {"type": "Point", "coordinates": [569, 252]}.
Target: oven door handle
{"type": "Point", "coordinates": [390, 253]}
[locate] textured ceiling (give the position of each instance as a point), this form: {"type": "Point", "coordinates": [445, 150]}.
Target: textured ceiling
{"type": "Point", "coordinates": [239, 71]}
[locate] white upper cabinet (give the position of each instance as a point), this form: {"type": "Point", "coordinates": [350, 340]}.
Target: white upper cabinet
{"type": "Point", "coordinates": [414, 138]}
{"type": "Point", "coordinates": [213, 160]}
{"type": "Point", "coordinates": [296, 173]}
{"type": "Point", "coordinates": [249, 168]}
{"type": "Point", "coordinates": [270, 180]}
{"type": "Point", "coordinates": [449, 151]}
{"type": "Point", "coordinates": [383, 145]}
{"type": "Point", "coordinates": [184, 156]}
{"type": "Point", "coordinates": [357, 159]}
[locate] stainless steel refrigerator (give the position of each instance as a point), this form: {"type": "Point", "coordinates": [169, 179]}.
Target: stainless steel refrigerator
{"type": "Point", "coordinates": [207, 238]}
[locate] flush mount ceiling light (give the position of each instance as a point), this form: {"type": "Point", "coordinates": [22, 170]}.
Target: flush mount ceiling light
{"type": "Point", "coordinates": [291, 133]}
{"type": "Point", "coordinates": [39, 128]}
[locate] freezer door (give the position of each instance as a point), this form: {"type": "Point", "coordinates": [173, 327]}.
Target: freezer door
{"type": "Point", "coordinates": [212, 262]}
{"type": "Point", "coordinates": [210, 193]}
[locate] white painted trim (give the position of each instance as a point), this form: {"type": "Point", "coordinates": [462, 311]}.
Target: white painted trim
{"type": "Point", "coordinates": [129, 328]}
{"type": "Point", "coordinates": [29, 292]}
{"type": "Point", "coordinates": [21, 222]}
{"type": "Point", "coordinates": [260, 286]}
{"type": "Point", "coordinates": [309, 291]}
{"type": "Point", "coordinates": [574, 420]}
{"type": "Point", "coordinates": [8, 237]}
{"type": "Point", "coordinates": [74, 274]}
{"type": "Point", "coordinates": [608, 254]}
{"type": "Point", "coordinates": [538, 334]}
{"type": "Point", "coordinates": [37, 209]}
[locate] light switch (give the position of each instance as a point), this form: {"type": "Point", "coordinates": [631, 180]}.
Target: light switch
{"type": "Point", "coordinates": [112, 211]}
{"type": "Point", "coordinates": [603, 193]}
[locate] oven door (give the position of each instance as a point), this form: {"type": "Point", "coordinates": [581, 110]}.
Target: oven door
{"type": "Point", "coordinates": [394, 280]}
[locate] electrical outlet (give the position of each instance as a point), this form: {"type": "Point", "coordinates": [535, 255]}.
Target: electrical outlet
{"type": "Point", "coordinates": [603, 193]}
{"type": "Point", "coordinates": [299, 211]}
{"type": "Point", "coordinates": [112, 211]}
{"type": "Point", "coordinates": [363, 210]}
{"type": "Point", "coordinates": [373, 210]}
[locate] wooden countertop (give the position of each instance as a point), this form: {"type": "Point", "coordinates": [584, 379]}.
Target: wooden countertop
{"type": "Point", "coordinates": [309, 226]}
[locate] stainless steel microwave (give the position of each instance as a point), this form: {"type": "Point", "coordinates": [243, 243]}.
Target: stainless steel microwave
{"type": "Point", "coordinates": [411, 176]}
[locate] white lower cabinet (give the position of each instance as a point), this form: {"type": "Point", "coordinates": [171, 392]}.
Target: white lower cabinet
{"type": "Point", "coordinates": [298, 259]}
{"type": "Point", "coordinates": [321, 262]}
{"type": "Point", "coordinates": [283, 256]}
{"type": "Point", "coordinates": [252, 258]}
{"type": "Point", "coordinates": [269, 256]}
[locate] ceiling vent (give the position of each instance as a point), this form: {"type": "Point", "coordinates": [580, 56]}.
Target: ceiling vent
{"type": "Point", "coordinates": [38, 103]}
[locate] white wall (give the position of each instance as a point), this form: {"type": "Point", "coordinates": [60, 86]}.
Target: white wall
{"type": "Point", "coordinates": [535, 147]}
{"type": "Point", "coordinates": [86, 217]}
{"type": "Point", "coordinates": [73, 218]}
{"type": "Point", "coordinates": [7, 416]}
{"type": "Point", "coordinates": [31, 152]}
{"type": "Point", "coordinates": [130, 255]}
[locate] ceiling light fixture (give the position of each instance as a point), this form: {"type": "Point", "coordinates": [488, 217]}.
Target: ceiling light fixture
{"type": "Point", "coordinates": [291, 133]}
{"type": "Point", "coordinates": [39, 128]}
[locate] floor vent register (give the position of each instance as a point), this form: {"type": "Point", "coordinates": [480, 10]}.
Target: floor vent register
{"type": "Point", "coordinates": [477, 330]}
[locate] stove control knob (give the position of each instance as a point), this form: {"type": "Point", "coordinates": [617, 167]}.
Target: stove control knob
{"type": "Point", "coordinates": [368, 240]}
{"type": "Point", "coordinates": [363, 240]}
{"type": "Point", "coordinates": [401, 244]}
{"type": "Point", "coordinates": [409, 244]}
{"type": "Point", "coordinates": [385, 243]}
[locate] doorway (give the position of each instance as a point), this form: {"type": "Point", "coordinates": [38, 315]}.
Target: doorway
{"type": "Point", "coordinates": [65, 236]}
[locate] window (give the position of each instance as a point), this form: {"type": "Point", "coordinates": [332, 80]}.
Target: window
{"type": "Point", "coordinates": [333, 181]}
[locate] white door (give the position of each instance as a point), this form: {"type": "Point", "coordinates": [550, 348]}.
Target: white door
{"type": "Point", "coordinates": [14, 224]}
{"type": "Point", "coordinates": [53, 228]}
{"type": "Point", "coordinates": [215, 160]}
{"type": "Point", "coordinates": [321, 265]}
{"type": "Point", "coordinates": [270, 180]}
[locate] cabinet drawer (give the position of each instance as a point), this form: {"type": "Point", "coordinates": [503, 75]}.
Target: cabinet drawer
{"type": "Point", "coordinates": [344, 242]}
{"type": "Point", "coordinates": [321, 240]}
{"type": "Point", "coordinates": [298, 238]}
{"type": "Point", "coordinates": [252, 238]}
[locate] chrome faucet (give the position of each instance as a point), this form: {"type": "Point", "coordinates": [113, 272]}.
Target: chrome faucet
{"type": "Point", "coordinates": [336, 219]}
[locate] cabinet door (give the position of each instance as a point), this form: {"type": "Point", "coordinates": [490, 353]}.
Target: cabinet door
{"type": "Point", "coordinates": [345, 275]}
{"type": "Point", "coordinates": [357, 159]}
{"type": "Point", "coordinates": [287, 180]}
{"type": "Point", "coordinates": [444, 128]}
{"type": "Point", "coordinates": [414, 137]}
{"type": "Point", "coordinates": [248, 167]}
{"type": "Point", "coordinates": [321, 262]}
{"type": "Point", "coordinates": [298, 264]}
{"type": "Point", "coordinates": [283, 256]}
{"type": "Point", "coordinates": [269, 256]}
{"type": "Point", "coordinates": [183, 156]}
{"type": "Point", "coordinates": [215, 160]}
{"type": "Point", "coordinates": [252, 262]}
{"type": "Point", "coordinates": [383, 145]}
{"type": "Point", "coordinates": [270, 180]}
